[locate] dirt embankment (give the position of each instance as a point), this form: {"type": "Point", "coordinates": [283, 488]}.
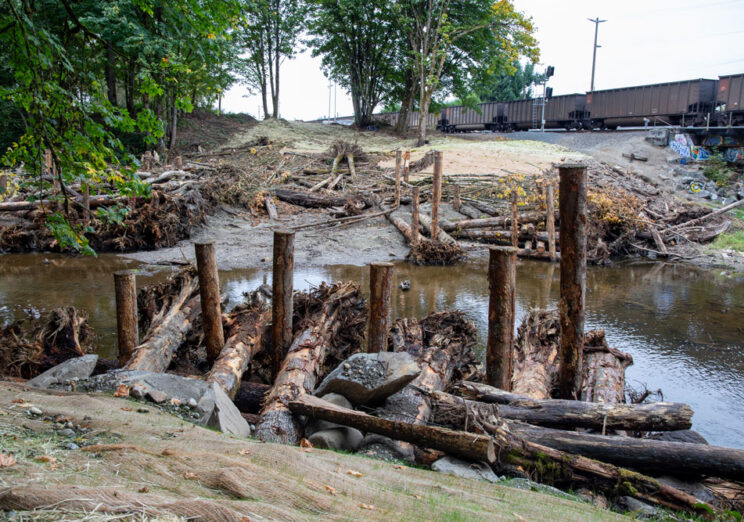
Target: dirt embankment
{"type": "Point", "coordinates": [119, 457]}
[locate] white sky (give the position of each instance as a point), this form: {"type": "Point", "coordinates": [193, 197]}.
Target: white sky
{"type": "Point", "coordinates": [643, 41]}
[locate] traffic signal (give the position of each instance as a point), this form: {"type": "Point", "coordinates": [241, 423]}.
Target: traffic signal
{"type": "Point", "coordinates": [550, 72]}
{"type": "Point", "coordinates": [549, 92]}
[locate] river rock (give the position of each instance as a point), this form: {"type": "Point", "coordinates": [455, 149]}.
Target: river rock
{"type": "Point", "coordinates": [70, 370]}
{"type": "Point", "coordinates": [218, 411]}
{"type": "Point", "coordinates": [690, 436]}
{"type": "Point", "coordinates": [637, 508]}
{"type": "Point", "coordinates": [370, 377]}
{"type": "Point", "coordinates": [173, 386]}
{"type": "Point", "coordinates": [465, 469]}
{"type": "Point", "coordinates": [315, 426]}
{"type": "Point", "coordinates": [695, 489]}
{"type": "Point", "coordinates": [324, 434]}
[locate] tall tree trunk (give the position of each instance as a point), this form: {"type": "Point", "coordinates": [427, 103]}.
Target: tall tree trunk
{"type": "Point", "coordinates": [401, 127]}
{"type": "Point", "coordinates": [423, 116]}
{"type": "Point", "coordinates": [174, 124]}
{"type": "Point", "coordinates": [129, 87]}
{"type": "Point", "coordinates": [111, 72]}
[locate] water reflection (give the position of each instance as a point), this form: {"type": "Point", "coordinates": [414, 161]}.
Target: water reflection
{"type": "Point", "coordinates": [683, 327]}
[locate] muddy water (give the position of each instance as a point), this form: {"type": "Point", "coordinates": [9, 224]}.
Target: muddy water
{"type": "Point", "coordinates": [684, 327]}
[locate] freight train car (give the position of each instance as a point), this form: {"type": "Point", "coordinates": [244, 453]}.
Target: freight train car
{"type": "Point", "coordinates": [561, 112]}
{"type": "Point", "coordinates": [730, 100]}
{"type": "Point", "coordinates": [464, 119]}
{"type": "Point", "coordinates": [391, 118]}
{"type": "Point", "coordinates": [675, 103]}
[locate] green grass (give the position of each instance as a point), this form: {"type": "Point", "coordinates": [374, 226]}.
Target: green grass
{"type": "Point", "coordinates": [732, 241]}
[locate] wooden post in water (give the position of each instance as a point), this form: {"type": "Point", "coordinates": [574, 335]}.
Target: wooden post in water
{"type": "Point", "coordinates": [502, 277]}
{"type": "Point", "coordinates": [456, 198]}
{"type": "Point", "coordinates": [436, 194]}
{"type": "Point", "coordinates": [281, 301]}
{"type": "Point", "coordinates": [415, 216]}
{"type": "Point", "coordinates": [126, 314]}
{"type": "Point", "coordinates": [380, 292]}
{"type": "Point", "coordinates": [572, 237]}
{"type": "Point", "coordinates": [209, 290]}
{"type": "Point", "coordinates": [550, 221]}
{"type": "Point", "coordinates": [514, 223]}
{"type": "Point", "coordinates": [398, 163]}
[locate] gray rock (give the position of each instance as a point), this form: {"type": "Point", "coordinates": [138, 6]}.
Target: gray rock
{"type": "Point", "coordinates": [138, 391]}
{"type": "Point", "coordinates": [691, 436]}
{"type": "Point", "coordinates": [171, 385]}
{"type": "Point", "coordinates": [370, 377]}
{"type": "Point", "coordinates": [72, 446]}
{"type": "Point", "coordinates": [159, 397]}
{"type": "Point", "coordinates": [320, 425]}
{"type": "Point", "coordinates": [67, 432]}
{"type": "Point", "coordinates": [192, 403]}
{"type": "Point", "coordinates": [70, 370]}
{"type": "Point", "coordinates": [33, 410]}
{"type": "Point", "coordinates": [464, 469]}
{"type": "Point", "coordinates": [218, 411]}
{"type": "Point", "coordinates": [695, 489]}
{"type": "Point", "coordinates": [636, 507]}
{"type": "Point", "coordinates": [348, 439]}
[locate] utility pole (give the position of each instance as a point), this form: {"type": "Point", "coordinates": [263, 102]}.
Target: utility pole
{"type": "Point", "coordinates": [596, 22]}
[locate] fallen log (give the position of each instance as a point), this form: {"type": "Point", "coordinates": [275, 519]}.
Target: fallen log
{"type": "Point", "coordinates": [303, 364]}
{"type": "Point", "coordinates": [695, 221]}
{"type": "Point", "coordinates": [459, 443]}
{"type": "Point", "coordinates": [680, 459]}
{"type": "Point", "coordinates": [167, 328]}
{"type": "Point", "coordinates": [529, 253]}
{"type": "Point", "coordinates": [403, 227]}
{"type": "Point", "coordinates": [541, 462]}
{"type": "Point", "coordinates": [567, 414]}
{"type": "Point", "coordinates": [444, 237]}
{"type": "Point", "coordinates": [603, 371]}
{"type": "Point", "coordinates": [271, 208]}
{"type": "Point", "coordinates": [484, 208]}
{"type": "Point", "coordinates": [535, 367]}
{"type": "Point", "coordinates": [498, 221]}
{"type": "Point", "coordinates": [308, 200]}
{"type": "Point", "coordinates": [471, 212]}
{"type": "Point", "coordinates": [93, 201]}
{"type": "Point", "coordinates": [244, 332]}
{"type": "Point", "coordinates": [500, 236]}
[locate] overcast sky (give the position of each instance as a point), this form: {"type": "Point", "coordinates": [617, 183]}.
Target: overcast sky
{"type": "Point", "coordinates": [643, 41]}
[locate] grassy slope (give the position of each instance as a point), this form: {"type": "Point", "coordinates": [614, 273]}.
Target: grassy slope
{"type": "Point", "coordinates": [167, 458]}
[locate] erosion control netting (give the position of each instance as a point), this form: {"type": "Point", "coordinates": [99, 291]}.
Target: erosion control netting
{"type": "Point", "coordinates": [31, 346]}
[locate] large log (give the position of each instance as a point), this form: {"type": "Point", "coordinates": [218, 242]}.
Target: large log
{"type": "Point", "coordinates": [303, 365]}
{"type": "Point", "coordinates": [467, 210]}
{"type": "Point", "coordinates": [681, 459]}
{"type": "Point", "coordinates": [532, 216]}
{"type": "Point", "coordinates": [168, 328]}
{"type": "Point", "coordinates": [459, 443]}
{"type": "Point", "coordinates": [536, 355]}
{"type": "Point", "coordinates": [603, 371]}
{"type": "Point", "coordinates": [404, 229]}
{"type": "Point", "coordinates": [245, 330]}
{"type": "Point", "coordinates": [500, 236]}
{"type": "Point", "coordinates": [309, 200]}
{"type": "Point", "coordinates": [442, 236]}
{"type": "Point", "coordinates": [93, 202]}
{"type": "Point", "coordinates": [567, 414]}
{"type": "Point", "coordinates": [544, 463]}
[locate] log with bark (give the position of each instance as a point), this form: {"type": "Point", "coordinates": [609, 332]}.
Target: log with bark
{"type": "Point", "coordinates": [500, 236]}
{"type": "Point", "coordinates": [93, 202]}
{"type": "Point", "coordinates": [444, 237]}
{"type": "Point", "coordinates": [541, 462]}
{"type": "Point", "coordinates": [535, 367]}
{"type": "Point", "coordinates": [304, 362]}
{"type": "Point", "coordinates": [169, 326]}
{"type": "Point", "coordinates": [310, 200]}
{"type": "Point", "coordinates": [441, 344]}
{"type": "Point", "coordinates": [471, 212]}
{"type": "Point", "coordinates": [498, 221]}
{"type": "Point", "coordinates": [244, 333]}
{"type": "Point", "coordinates": [567, 414]}
{"type": "Point", "coordinates": [603, 370]}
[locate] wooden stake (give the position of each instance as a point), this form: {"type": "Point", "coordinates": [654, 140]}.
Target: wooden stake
{"type": "Point", "coordinates": [281, 302]}
{"type": "Point", "coordinates": [514, 220]}
{"type": "Point", "coordinates": [502, 277]}
{"type": "Point", "coordinates": [572, 237]}
{"type": "Point", "coordinates": [179, 162]}
{"type": "Point", "coordinates": [398, 163]}
{"type": "Point", "coordinates": [86, 204]}
{"type": "Point", "coordinates": [415, 216]}
{"type": "Point", "coordinates": [550, 221]}
{"type": "Point", "coordinates": [126, 314]}
{"type": "Point", "coordinates": [209, 290]}
{"type": "Point", "coordinates": [436, 194]}
{"type": "Point", "coordinates": [456, 198]}
{"type": "Point", "coordinates": [380, 292]}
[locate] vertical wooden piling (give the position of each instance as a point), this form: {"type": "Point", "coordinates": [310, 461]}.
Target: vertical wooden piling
{"type": "Point", "coordinates": [86, 204]}
{"type": "Point", "coordinates": [4, 184]}
{"type": "Point", "coordinates": [407, 166]}
{"type": "Point", "coordinates": [178, 162]}
{"type": "Point", "coordinates": [126, 314]}
{"type": "Point", "coordinates": [415, 216]}
{"type": "Point", "coordinates": [398, 162]}
{"type": "Point", "coordinates": [209, 290]}
{"type": "Point", "coordinates": [380, 292]}
{"type": "Point", "coordinates": [436, 194]}
{"type": "Point", "coordinates": [502, 277]}
{"type": "Point", "coordinates": [281, 301]}
{"type": "Point", "coordinates": [550, 221]}
{"type": "Point", "coordinates": [514, 223]}
{"type": "Point", "coordinates": [572, 237]}
{"type": "Point", "coordinates": [456, 198]}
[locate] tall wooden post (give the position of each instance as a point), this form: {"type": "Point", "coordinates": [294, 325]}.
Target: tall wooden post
{"type": "Point", "coordinates": [398, 163]}
{"type": "Point", "coordinates": [502, 279]}
{"type": "Point", "coordinates": [550, 221]}
{"type": "Point", "coordinates": [3, 184]}
{"type": "Point", "coordinates": [209, 290]}
{"type": "Point", "coordinates": [415, 216]}
{"type": "Point", "coordinates": [407, 166]}
{"type": "Point", "coordinates": [456, 198]}
{"type": "Point", "coordinates": [86, 204]}
{"type": "Point", "coordinates": [281, 301]}
{"type": "Point", "coordinates": [380, 292]}
{"type": "Point", "coordinates": [126, 314]}
{"type": "Point", "coordinates": [514, 224]}
{"type": "Point", "coordinates": [178, 163]}
{"type": "Point", "coordinates": [436, 194]}
{"type": "Point", "coordinates": [572, 194]}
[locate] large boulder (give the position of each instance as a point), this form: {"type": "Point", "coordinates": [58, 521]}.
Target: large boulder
{"type": "Point", "coordinates": [71, 370]}
{"type": "Point", "coordinates": [148, 385]}
{"type": "Point", "coordinates": [218, 411]}
{"type": "Point", "coordinates": [324, 434]}
{"type": "Point", "coordinates": [370, 377]}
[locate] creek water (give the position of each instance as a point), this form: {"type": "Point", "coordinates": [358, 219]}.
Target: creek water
{"type": "Point", "coordinates": [683, 326]}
